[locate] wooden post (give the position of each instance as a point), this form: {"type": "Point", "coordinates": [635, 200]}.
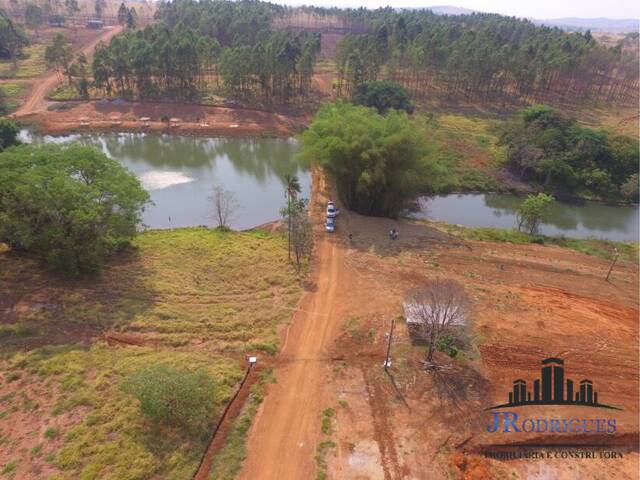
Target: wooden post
{"type": "Point", "coordinates": [615, 259]}
{"type": "Point", "coordinates": [386, 360]}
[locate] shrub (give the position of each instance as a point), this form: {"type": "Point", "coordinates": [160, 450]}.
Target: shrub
{"type": "Point", "coordinates": [8, 133]}
{"type": "Point", "coordinates": [72, 205]}
{"type": "Point", "coordinates": [378, 162]}
{"type": "Point", "coordinates": [382, 95]}
{"type": "Point", "coordinates": [174, 397]}
{"type": "Point", "coordinates": [533, 211]}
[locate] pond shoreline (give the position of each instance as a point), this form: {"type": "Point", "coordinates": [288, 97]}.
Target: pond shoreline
{"type": "Point", "coordinates": [582, 220]}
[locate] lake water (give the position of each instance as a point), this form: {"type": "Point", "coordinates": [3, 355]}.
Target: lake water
{"type": "Point", "coordinates": [581, 220]}
{"type": "Point", "coordinates": [179, 172]}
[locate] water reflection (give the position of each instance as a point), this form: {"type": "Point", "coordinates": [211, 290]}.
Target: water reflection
{"type": "Point", "coordinates": [180, 171]}
{"type": "Point", "coordinates": [581, 220]}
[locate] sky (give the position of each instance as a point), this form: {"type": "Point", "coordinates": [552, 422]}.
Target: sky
{"type": "Point", "coordinates": [542, 9]}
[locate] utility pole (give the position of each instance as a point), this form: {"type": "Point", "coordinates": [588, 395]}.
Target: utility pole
{"type": "Point", "coordinates": [387, 360]}
{"type": "Point", "coordinates": [615, 259]}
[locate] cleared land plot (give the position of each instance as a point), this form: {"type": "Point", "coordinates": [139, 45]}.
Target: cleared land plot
{"type": "Point", "coordinates": [192, 298]}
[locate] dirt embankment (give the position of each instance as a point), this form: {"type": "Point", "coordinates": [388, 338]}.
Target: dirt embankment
{"type": "Point", "coordinates": [530, 302]}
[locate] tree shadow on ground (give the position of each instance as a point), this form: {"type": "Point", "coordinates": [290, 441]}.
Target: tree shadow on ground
{"type": "Point", "coordinates": [460, 390]}
{"type": "Point", "coordinates": [39, 308]}
{"type": "Point", "coordinates": [371, 234]}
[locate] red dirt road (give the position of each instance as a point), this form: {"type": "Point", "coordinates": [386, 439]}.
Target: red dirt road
{"type": "Point", "coordinates": [288, 413]}
{"type": "Point", "coordinates": [289, 417]}
{"type": "Point", "coordinates": [35, 101]}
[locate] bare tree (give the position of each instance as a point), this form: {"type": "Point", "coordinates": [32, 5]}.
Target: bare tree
{"type": "Point", "coordinates": [224, 206]}
{"type": "Point", "coordinates": [439, 309]}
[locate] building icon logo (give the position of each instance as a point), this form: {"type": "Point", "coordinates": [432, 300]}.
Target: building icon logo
{"type": "Point", "coordinates": [552, 389]}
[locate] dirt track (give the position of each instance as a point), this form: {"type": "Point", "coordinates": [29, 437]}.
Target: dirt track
{"type": "Point", "coordinates": [283, 438]}
{"type": "Point", "coordinates": [531, 302]}
{"type": "Point", "coordinates": [35, 100]}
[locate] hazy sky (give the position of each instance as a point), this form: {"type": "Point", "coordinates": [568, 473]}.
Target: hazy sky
{"type": "Point", "coordinates": [520, 8]}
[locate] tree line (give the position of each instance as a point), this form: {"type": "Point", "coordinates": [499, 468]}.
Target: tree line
{"type": "Point", "coordinates": [483, 56]}
{"type": "Point", "coordinates": [215, 44]}
{"type": "Point", "coordinates": [553, 151]}
{"type": "Point", "coordinates": [12, 37]}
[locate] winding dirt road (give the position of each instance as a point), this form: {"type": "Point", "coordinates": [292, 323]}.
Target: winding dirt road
{"type": "Point", "coordinates": [49, 80]}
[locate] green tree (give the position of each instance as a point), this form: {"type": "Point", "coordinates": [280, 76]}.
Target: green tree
{"type": "Point", "coordinates": [174, 397]}
{"type": "Point", "coordinates": [291, 190]}
{"type": "Point", "coordinates": [8, 133]}
{"type": "Point", "coordinates": [59, 55]}
{"type": "Point", "coordinates": [70, 205]}
{"type": "Point", "coordinates": [34, 17]}
{"type": "Point", "coordinates": [630, 189]}
{"type": "Point", "coordinates": [72, 7]}
{"type": "Point", "coordinates": [378, 162]}
{"type": "Point", "coordinates": [123, 12]}
{"type": "Point", "coordinates": [99, 7]}
{"type": "Point", "coordinates": [382, 96]}
{"type": "Point", "coordinates": [12, 38]}
{"type": "Point", "coordinates": [299, 229]}
{"type": "Point", "coordinates": [533, 211]}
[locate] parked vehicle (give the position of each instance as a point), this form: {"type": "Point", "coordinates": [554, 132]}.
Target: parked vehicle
{"type": "Point", "coordinates": [332, 211]}
{"type": "Point", "coordinates": [330, 225]}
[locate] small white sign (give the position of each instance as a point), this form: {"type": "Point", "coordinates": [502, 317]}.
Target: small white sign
{"type": "Point", "coordinates": [253, 359]}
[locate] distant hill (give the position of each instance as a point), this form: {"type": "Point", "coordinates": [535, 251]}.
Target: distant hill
{"type": "Point", "coordinates": [610, 25]}
{"type": "Point", "coordinates": [449, 10]}
{"type": "Point", "coordinates": [572, 24]}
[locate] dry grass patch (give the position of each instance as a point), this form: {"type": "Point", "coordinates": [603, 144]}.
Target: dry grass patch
{"type": "Point", "coordinates": [198, 298]}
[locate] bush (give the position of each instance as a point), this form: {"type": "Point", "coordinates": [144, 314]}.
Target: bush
{"type": "Point", "coordinates": [382, 95]}
{"type": "Point", "coordinates": [8, 133]}
{"type": "Point", "coordinates": [533, 211]}
{"type": "Point", "coordinates": [630, 189]}
{"type": "Point", "coordinates": [174, 397]}
{"type": "Point", "coordinates": [72, 205]}
{"type": "Point", "coordinates": [378, 162]}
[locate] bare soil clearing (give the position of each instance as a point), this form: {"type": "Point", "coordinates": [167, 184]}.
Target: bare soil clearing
{"type": "Point", "coordinates": [531, 302]}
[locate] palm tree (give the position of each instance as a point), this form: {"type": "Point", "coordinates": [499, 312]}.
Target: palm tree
{"type": "Point", "coordinates": [291, 190]}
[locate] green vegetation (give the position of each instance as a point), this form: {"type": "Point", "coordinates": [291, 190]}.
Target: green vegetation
{"type": "Point", "coordinates": [226, 41]}
{"type": "Point", "coordinates": [59, 55]}
{"type": "Point", "coordinates": [8, 135]}
{"type": "Point", "coordinates": [10, 96]}
{"type": "Point", "coordinates": [533, 211]}
{"type": "Point", "coordinates": [598, 248]}
{"type": "Point", "coordinates": [34, 17]}
{"type": "Point", "coordinates": [72, 206]}
{"type": "Point", "coordinates": [12, 38]}
{"type": "Point", "coordinates": [326, 444]}
{"type": "Point", "coordinates": [9, 467]}
{"type": "Point", "coordinates": [172, 397]}
{"type": "Point", "coordinates": [228, 461]}
{"type": "Point", "coordinates": [467, 153]}
{"type": "Point", "coordinates": [556, 153]}
{"type": "Point", "coordinates": [480, 57]}
{"type": "Point", "coordinates": [327, 420]}
{"type": "Point", "coordinates": [30, 63]}
{"type": "Point", "coordinates": [378, 162]}
{"type": "Point", "coordinates": [196, 299]}
{"type": "Point", "coordinates": [382, 96]}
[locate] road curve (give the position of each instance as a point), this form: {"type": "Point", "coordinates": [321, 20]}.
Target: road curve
{"type": "Point", "coordinates": [49, 80]}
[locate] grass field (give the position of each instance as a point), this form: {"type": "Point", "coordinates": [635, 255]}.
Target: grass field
{"type": "Point", "coordinates": [599, 248]}
{"type": "Point", "coordinates": [467, 149]}
{"type": "Point", "coordinates": [13, 93]}
{"type": "Point", "coordinates": [193, 298]}
{"type": "Point", "coordinates": [31, 65]}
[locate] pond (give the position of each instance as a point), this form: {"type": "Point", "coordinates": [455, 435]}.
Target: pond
{"type": "Point", "coordinates": [581, 220]}
{"type": "Point", "coordinates": [179, 172]}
